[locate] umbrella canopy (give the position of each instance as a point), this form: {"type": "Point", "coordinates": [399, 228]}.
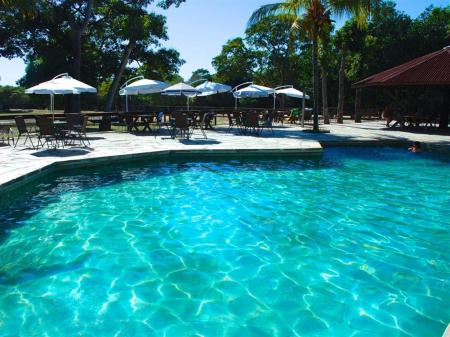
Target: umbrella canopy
{"type": "Point", "coordinates": [60, 85]}
{"type": "Point", "coordinates": [254, 91]}
{"type": "Point", "coordinates": [143, 86]}
{"type": "Point", "coordinates": [211, 88]}
{"type": "Point", "coordinates": [180, 89]}
{"type": "Point", "coordinates": [292, 92]}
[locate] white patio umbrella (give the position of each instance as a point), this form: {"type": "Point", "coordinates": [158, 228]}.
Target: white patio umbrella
{"type": "Point", "coordinates": [181, 89]}
{"type": "Point", "coordinates": [140, 87]}
{"type": "Point", "coordinates": [211, 88]}
{"type": "Point", "coordinates": [60, 85]}
{"type": "Point", "coordinates": [252, 91]}
{"type": "Point", "coordinates": [290, 91]}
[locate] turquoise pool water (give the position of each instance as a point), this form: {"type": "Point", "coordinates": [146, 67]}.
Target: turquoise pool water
{"type": "Point", "coordinates": [353, 244]}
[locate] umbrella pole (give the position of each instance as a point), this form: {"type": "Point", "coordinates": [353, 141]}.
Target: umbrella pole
{"type": "Point", "coordinates": [187, 102]}
{"type": "Point", "coordinates": [126, 103]}
{"type": "Point", "coordinates": [52, 106]}
{"type": "Point", "coordinates": [303, 111]}
{"type": "Point", "coordinates": [274, 101]}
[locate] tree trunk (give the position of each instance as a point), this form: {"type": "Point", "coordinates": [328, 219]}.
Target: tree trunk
{"type": "Point", "coordinates": [315, 79]}
{"type": "Point", "coordinates": [76, 72]}
{"type": "Point", "coordinates": [340, 107]}
{"type": "Point", "coordinates": [326, 117]}
{"type": "Point", "coordinates": [78, 30]}
{"type": "Point", "coordinates": [117, 77]}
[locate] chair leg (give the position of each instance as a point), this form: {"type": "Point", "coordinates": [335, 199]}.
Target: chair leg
{"type": "Point", "coordinates": [10, 136]}
{"type": "Point", "coordinates": [204, 133]}
{"type": "Point", "coordinates": [17, 139]}
{"type": "Point", "coordinates": [28, 137]}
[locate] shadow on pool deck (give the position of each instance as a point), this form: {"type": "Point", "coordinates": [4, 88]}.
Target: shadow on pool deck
{"type": "Point", "coordinates": [199, 141]}
{"type": "Point", "coordinates": [73, 152]}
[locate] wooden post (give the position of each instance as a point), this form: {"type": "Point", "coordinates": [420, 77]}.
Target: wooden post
{"type": "Point", "coordinates": [444, 116]}
{"type": "Point", "coordinates": [357, 103]}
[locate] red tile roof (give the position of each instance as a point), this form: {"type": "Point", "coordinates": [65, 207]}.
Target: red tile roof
{"type": "Point", "coordinates": [431, 69]}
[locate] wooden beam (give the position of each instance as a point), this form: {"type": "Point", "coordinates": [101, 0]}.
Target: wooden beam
{"type": "Point", "coordinates": [357, 104]}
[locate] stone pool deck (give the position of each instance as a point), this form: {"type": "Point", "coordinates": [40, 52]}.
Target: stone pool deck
{"type": "Point", "coordinates": [18, 165]}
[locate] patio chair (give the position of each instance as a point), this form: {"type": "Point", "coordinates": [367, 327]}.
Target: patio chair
{"type": "Point", "coordinates": [278, 117]}
{"type": "Point", "coordinates": [76, 128]}
{"type": "Point", "coordinates": [239, 120]}
{"type": "Point", "coordinates": [23, 130]}
{"type": "Point", "coordinates": [6, 134]}
{"type": "Point", "coordinates": [251, 122]}
{"type": "Point", "coordinates": [181, 124]}
{"type": "Point", "coordinates": [129, 121]}
{"type": "Point", "coordinates": [205, 122]}
{"type": "Point", "coordinates": [294, 116]}
{"type": "Point", "coordinates": [231, 121]}
{"type": "Point", "coordinates": [268, 122]}
{"type": "Point", "coordinates": [48, 133]}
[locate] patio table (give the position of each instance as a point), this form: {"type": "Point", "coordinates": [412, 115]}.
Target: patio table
{"type": "Point", "coordinates": [146, 121]}
{"type": "Point", "coordinates": [141, 120]}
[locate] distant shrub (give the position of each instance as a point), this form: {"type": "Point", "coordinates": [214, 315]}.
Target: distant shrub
{"type": "Point", "coordinates": [13, 98]}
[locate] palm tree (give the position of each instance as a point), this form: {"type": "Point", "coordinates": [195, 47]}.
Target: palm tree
{"type": "Point", "coordinates": [311, 16]}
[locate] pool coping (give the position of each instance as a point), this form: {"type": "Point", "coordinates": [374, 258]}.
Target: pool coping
{"type": "Point", "coordinates": [63, 165]}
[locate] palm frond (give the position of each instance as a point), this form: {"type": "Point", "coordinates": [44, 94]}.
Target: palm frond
{"type": "Point", "coordinates": [264, 12]}
{"type": "Point", "coordinates": [360, 10]}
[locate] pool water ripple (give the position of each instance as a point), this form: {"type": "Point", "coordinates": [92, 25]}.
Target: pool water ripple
{"type": "Point", "coordinates": [353, 244]}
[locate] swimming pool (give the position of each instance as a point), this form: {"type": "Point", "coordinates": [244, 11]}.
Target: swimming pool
{"type": "Point", "coordinates": [352, 244]}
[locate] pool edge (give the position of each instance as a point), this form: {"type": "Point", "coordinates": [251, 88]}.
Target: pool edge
{"type": "Point", "coordinates": [56, 166]}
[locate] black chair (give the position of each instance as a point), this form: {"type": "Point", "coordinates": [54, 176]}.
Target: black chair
{"type": "Point", "coordinates": [23, 130]}
{"type": "Point", "coordinates": [251, 122]}
{"type": "Point", "coordinates": [181, 125]}
{"type": "Point", "coordinates": [48, 133]}
{"type": "Point", "coordinates": [76, 129]}
{"type": "Point", "coordinates": [268, 122]}
{"type": "Point", "coordinates": [6, 134]}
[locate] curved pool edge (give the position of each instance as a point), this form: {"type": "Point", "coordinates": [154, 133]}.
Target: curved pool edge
{"type": "Point", "coordinates": [61, 165]}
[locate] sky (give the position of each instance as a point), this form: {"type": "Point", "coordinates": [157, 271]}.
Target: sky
{"type": "Point", "coordinates": [199, 28]}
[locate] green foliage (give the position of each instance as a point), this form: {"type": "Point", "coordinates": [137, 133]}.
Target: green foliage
{"type": "Point", "coordinates": [235, 63]}
{"type": "Point", "coordinates": [268, 55]}
{"type": "Point", "coordinates": [390, 38]}
{"type": "Point", "coordinates": [42, 33]}
{"type": "Point", "coordinates": [13, 97]}
{"type": "Point", "coordinates": [275, 52]}
{"type": "Point", "coordinates": [199, 74]}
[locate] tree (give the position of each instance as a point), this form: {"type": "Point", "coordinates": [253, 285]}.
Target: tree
{"type": "Point", "coordinates": [132, 30]}
{"type": "Point", "coordinates": [200, 74]}
{"type": "Point", "coordinates": [60, 35]}
{"type": "Point", "coordinates": [364, 51]}
{"type": "Point", "coordinates": [311, 16]}
{"type": "Point", "coordinates": [348, 39]}
{"type": "Point", "coordinates": [235, 64]}
{"type": "Point", "coordinates": [432, 29]}
{"type": "Point", "coordinates": [325, 55]}
{"type": "Point", "coordinates": [274, 51]}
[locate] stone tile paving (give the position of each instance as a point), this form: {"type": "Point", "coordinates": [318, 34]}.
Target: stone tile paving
{"type": "Point", "coordinates": [20, 161]}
